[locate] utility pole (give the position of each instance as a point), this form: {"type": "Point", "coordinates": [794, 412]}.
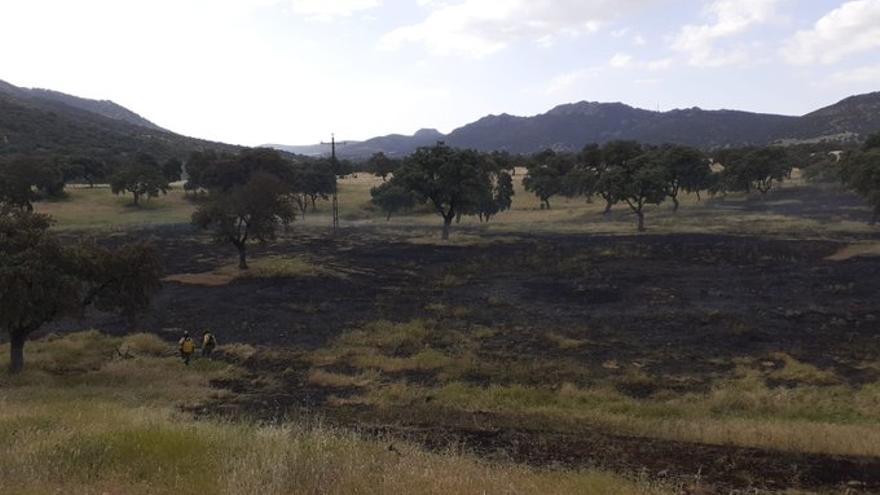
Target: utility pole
{"type": "Point", "coordinates": [335, 163]}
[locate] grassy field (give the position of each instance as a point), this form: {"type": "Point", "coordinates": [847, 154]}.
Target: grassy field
{"type": "Point", "coordinates": [95, 415]}
{"type": "Point", "coordinates": [99, 208]}
{"type": "Point", "coordinates": [781, 212]}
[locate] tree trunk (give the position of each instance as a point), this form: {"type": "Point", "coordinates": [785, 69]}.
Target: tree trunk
{"type": "Point", "coordinates": [547, 203]}
{"type": "Point", "coordinates": [314, 206]}
{"type": "Point", "coordinates": [641, 217]}
{"type": "Point", "coordinates": [137, 199]}
{"type": "Point", "coordinates": [447, 222]}
{"type": "Point", "coordinates": [608, 206]}
{"type": "Point", "coordinates": [242, 257]}
{"type": "Point", "coordinates": [16, 352]}
{"type": "Point", "coordinates": [699, 198]}
{"type": "Point", "coordinates": [675, 204]}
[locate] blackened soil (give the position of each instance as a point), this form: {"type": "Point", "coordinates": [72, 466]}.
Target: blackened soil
{"type": "Point", "coordinates": [681, 306]}
{"type": "Point", "coordinates": [675, 303]}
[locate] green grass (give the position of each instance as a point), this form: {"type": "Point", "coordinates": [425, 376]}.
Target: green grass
{"type": "Point", "coordinates": [83, 419]}
{"type": "Point", "coordinates": [99, 208]}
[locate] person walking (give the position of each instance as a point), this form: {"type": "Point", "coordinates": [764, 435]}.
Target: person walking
{"type": "Point", "coordinates": [209, 343]}
{"type": "Point", "coordinates": [187, 348]}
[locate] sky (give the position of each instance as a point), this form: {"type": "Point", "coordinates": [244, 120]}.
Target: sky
{"type": "Point", "coordinates": [293, 71]}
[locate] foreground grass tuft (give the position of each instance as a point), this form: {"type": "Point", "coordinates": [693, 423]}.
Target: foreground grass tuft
{"type": "Point", "coordinates": [84, 419]}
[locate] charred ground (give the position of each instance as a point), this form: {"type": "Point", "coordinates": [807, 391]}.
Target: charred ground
{"type": "Point", "coordinates": [650, 316]}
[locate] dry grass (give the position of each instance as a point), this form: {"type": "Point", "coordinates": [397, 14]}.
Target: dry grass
{"type": "Point", "coordinates": [145, 344]}
{"type": "Point", "coordinates": [813, 411]}
{"type": "Point", "coordinates": [797, 371]}
{"type": "Point", "coordinates": [265, 267]}
{"type": "Point", "coordinates": [238, 352]}
{"type": "Point", "coordinates": [737, 413]}
{"type": "Point", "coordinates": [565, 343]}
{"type": "Point", "coordinates": [114, 426]}
{"type": "Point", "coordinates": [864, 249]}
{"type": "Point", "coordinates": [325, 378]}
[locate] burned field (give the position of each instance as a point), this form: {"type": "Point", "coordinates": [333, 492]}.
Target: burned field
{"type": "Point", "coordinates": [743, 362]}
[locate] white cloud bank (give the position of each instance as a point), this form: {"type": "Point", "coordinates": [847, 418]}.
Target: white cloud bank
{"type": "Point", "coordinates": [852, 28]}
{"type": "Point", "coordinates": [479, 28]}
{"type": "Point", "coordinates": [330, 9]}
{"type": "Point", "coordinates": [730, 18]}
{"type": "Point", "coordinates": [862, 75]}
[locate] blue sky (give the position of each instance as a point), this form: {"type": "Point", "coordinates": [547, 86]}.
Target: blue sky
{"type": "Point", "coordinates": [292, 71]}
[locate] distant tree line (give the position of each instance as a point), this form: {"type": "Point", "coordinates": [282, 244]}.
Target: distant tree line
{"type": "Point", "coordinates": [25, 179]}
{"type": "Point", "coordinates": [638, 175]}
{"type": "Point", "coordinates": [455, 182]}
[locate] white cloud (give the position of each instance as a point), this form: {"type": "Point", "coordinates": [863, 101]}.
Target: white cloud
{"type": "Point", "coordinates": [482, 27]}
{"type": "Point", "coordinates": [330, 9]}
{"type": "Point", "coordinates": [730, 18]}
{"type": "Point", "coordinates": [659, 64]}
{"type": "Point", "coordinates": [862, 75]}
{"type": "Point", "coordinates": [852, 28]}
{"type": "Point", "coordinates": [620, 60]}
{"type": "Point", "coordinates": [625, 61]}
{"type": "Point", "coordinates": [565, 81]}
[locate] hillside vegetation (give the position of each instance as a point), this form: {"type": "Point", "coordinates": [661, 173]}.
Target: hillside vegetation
{"type": "Point", "coordinates": [50, 122]}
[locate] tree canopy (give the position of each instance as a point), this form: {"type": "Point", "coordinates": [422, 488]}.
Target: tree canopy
{"type": "Point", "coordinates": [748, 169]}
{"type": "Point", "coordinates": [249, 197]}
{"type": "Point", "coordinates": [392, 198]}
{"type": "Point", "coordinates": [142, 176]}
{"type": "Point", "coordinates": [687, 169]}
{"type": "Point", "coordinates": [43, 279]}
{"type": "Point", "coordinates": [548, 175]}
{"type": "Point", "coordinates": [382, 166]}
{"type": "Point", "coordinates": [637, 181]}
{"type": "Point", "coordinates": [453, 181]}
{"type": "Point", "coordinates": [860, 172]}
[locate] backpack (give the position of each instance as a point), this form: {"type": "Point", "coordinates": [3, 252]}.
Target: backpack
{"type": "Point", "coordinates": [209, 340]}
{"type": "Point", "coordinates": [187, 347]}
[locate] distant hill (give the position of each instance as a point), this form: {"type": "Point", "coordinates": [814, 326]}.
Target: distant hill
{"type": "Point", "coordinates": [393, 145]}
{"type": "Point", "coordinates": [853, 117]}
{"type": "Point", "coordinates": [38, 120]}
{"type": "Point", "coordinates": [101, 107]}
{"type": "Point", "coordinates": [571, 126]}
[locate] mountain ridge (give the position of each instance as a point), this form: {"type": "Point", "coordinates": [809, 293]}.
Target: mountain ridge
{"type": "Point", "coordinates": [47, 121]}
{"type": "Point", "coordinates": [570, 126]}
